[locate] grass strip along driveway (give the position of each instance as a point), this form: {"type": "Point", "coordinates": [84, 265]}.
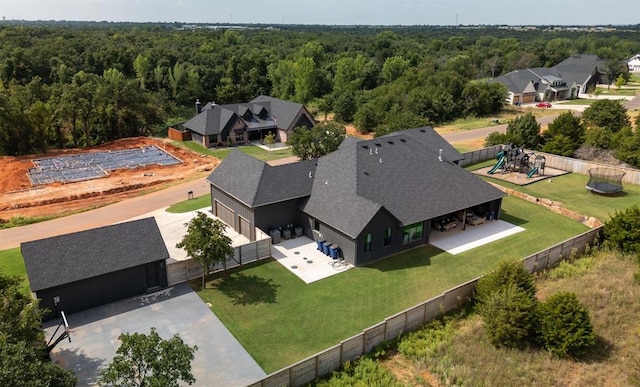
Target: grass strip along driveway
{"type": "Point", "coordinates": [280, 320]}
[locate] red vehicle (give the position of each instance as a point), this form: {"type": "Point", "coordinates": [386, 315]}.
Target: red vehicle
{"type": "Point", "coordinates": [543, 105]}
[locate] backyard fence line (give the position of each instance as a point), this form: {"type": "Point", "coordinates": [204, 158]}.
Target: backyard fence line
{"type": "Point", "coordinates": [323, 363]}
{"type": "Point", "coordinates": [188, 269]}
{"type": "Point", "coordinates": [480, 155]}
{"type": "Point", "coordinates": [632, 176]}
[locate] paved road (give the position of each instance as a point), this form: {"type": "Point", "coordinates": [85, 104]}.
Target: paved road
{"type": "Point", "coordinates": [468, 135]}
{"type": "Point", "coordinates": [103, 216]}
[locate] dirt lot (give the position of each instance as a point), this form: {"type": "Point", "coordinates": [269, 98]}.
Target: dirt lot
{"type": "Point", "coordinates": [19, 198]}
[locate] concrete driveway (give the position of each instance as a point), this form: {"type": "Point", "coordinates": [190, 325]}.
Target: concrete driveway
{"type": "Point", "coordinates": [219, 361]}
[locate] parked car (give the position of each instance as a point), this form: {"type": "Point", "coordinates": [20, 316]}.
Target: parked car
{"type": "Point", "coordinates": [543, 105]}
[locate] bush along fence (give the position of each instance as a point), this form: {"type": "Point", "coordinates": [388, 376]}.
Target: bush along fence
{"type": "Point", "coordinates": [323, 363]}
{"type": "Point", "coordinates": [182, 271]}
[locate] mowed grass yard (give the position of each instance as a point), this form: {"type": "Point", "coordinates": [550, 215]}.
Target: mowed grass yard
{"type": "Point", "coordinates": [571, 192]}
{"type": "Point", "coordinates": [222, 153]}
{"type": "Point", "coordinates": [280, 320]}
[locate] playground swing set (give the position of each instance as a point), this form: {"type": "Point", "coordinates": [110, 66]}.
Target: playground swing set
{"type": "Point", "coordinates": [514, 159]}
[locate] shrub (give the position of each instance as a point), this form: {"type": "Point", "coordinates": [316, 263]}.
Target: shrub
{"type": "Point", "coordinates": [622, 231]}
{"type": "Point", "coordinates": [560, 145]}
{"type": "Point", "coordinates": [565, 326]}
{"type": "Point", "coordinates": [496, 138]}
{"type": "Point", "coordinates": [507, 272]}
{"type": "Point", "coordinates": [598, 137]}
{"type": "Point", "coordinates": [509, 316]}
{"type": "Point", "coordinates": [366, 372]}
{"type": "Point", "coordinates": [525, 131]}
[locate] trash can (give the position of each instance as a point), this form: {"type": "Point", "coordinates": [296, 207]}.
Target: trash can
{"type": "Point", "coordinates": [275, 236]}
{"type": "Point", "coordinates": [286, 234]}
{"type": "Point", "coordinates": [334, 251]}
{"type": "Point", "coordinates": [320, 242]}
{"type": "Point", "coordinates": [298, 231]}
{"type": "Point", "coordinates": [325, 248]}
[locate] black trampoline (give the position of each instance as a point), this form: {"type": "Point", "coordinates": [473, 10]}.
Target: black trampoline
{"type": "Point", "coordinates": [605, 181]}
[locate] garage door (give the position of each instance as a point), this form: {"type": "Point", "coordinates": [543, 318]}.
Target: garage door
{"type": "Point", "coordinates": [245, 228]}
{"type": "Point", "coordinates": [224, 213]}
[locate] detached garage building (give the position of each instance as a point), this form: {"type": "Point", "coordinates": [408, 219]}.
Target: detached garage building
{"type": "Point", "coordinates": [78, 271]}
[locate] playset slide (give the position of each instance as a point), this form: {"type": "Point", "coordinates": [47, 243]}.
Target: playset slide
{"type": "Point", "coordinates": [533, 172]}
{"type": "Point", "coordinates": [502, 160]}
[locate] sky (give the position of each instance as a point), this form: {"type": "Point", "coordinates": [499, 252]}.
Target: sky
{"type": "Point", "coordinates": [332, 12]}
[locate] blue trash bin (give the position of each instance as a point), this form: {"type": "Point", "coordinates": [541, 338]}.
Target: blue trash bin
{"type": "Point", "coordinates": [325, 247]}
{"type": "Point", "coordinates": [333, 251]}
{"type": "Point", "coordinates": [320, 242]}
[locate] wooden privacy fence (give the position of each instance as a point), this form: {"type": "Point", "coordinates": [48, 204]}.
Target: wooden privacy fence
{"type": "Point", "coordinates": [188, 269]}
{"type": "Point", "coordinates": [320, 364]}
{"type": "Point", "coordinates": [632, 176]}
{"type": "Point", "coordinates": [480, 155]}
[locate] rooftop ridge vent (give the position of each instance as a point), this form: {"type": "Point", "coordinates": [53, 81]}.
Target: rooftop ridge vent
{"type": "Point", "coordinates": [378, 144]}
{"type": "Point", "coordinates": [423, 131]}
{"type": "Point", "coordinates": [403, 140]}
{"type": "Point", "coordinates": [390, 142]}
{"type": "Point", "coordinates": [365, 146]}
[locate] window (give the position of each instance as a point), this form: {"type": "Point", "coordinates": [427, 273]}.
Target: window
{"type": "Point", "coordinates": [316, 225]}
{"type": "Point", "coordinates": [367, 243]}
{"type": "Point", "coordinates": [411, 232]}
{"type": "Point", "coordinates": [387, 237]}
{"type": "Point", "coordinates": [239, 135]}
{"type": "Point", "coordinates": [213, 138]}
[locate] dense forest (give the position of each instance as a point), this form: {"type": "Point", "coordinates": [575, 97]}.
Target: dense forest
{"type": "Point", "coordinates": [79, 84]}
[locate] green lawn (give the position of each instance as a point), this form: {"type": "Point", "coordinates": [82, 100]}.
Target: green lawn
{"type": "Point", "coordinates": [569, 190]}
{"type": "Point", "coordinates": [11, 263]}
{"type": "Point", "coordinates": [279, 319]}
{"type": "Point", "coordinates": [615, 91]}
{"type": "Point", "coordinates": [191, 205]}
{"type": "Point", "coordinates": [580, 101]}
{"type": "Point", "coordinates": [252, 150]}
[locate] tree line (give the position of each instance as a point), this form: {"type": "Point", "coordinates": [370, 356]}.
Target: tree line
{"type": "Point", "coordinates": [69, 85]}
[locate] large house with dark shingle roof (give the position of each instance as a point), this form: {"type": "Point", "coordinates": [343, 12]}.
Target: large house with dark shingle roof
{"type": "Point", "coordinates": [373, 198]}
{"type": "Point", "coordinates": [575, 75]}
{"type": "Point", "coordinates": [239, 123]}
{"type": "Point", "coordinates": [77, 271]}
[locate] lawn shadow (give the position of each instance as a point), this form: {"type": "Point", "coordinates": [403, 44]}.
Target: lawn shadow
{"type": "Point", "coordinates": [418, 257]}
{"type": "Point", "coordinates": [86, 369]}
{"type": "Point", "coordinates": [512, 219]}
{"type": "Point", "coordinates": [248, 289]}
{"type": "Point", "coordinates": [600, 352]}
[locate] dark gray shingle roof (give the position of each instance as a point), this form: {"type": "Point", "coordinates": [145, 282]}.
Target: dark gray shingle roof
{"type": "Point", "coordinates": [284, 112]}
{"type": "Point", "coordinates": [72, 257]}
{"type": "Point", "coordinates": [399, 173]}
{"type": "Point", "coordinates": [256, 183]}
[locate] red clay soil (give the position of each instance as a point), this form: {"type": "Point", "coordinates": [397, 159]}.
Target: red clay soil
{"type": "Point", "coordinates": [19, 198]}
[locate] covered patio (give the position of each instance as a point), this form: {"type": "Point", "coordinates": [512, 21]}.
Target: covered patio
{"type": "Point", "coordinates": [457, 240]}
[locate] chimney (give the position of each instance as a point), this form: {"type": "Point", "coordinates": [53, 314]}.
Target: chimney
{"type": "Point", "coordinates": [198, 106]}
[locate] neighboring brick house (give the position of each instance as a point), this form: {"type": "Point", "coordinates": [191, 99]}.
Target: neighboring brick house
{"type": "Point", "coordinates": [240, 123]}
{"type": "Point", "coordinates": [575, 75]}
{"type": "Point", "coordinates": [373, 198]}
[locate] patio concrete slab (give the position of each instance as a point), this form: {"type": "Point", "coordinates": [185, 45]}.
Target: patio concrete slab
{"type": "Point", "coordinates": [219, 361]}
{"type": "Point", "coordinates": [301, 257]}
{"type": "Point", "coordinates": [172, 227]}
{"type": "Point", "coordinates": [457, 240]}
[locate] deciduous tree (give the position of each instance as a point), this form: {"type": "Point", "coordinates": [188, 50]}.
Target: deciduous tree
{"type": "Point", "coordinates": [206, 242]}
{"type": "Point", "coordinates": [324, 138]}
{"type": "Point", "coordinates": [148, 360]}
{"type": "Point", "coordinates": [606, 113]}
